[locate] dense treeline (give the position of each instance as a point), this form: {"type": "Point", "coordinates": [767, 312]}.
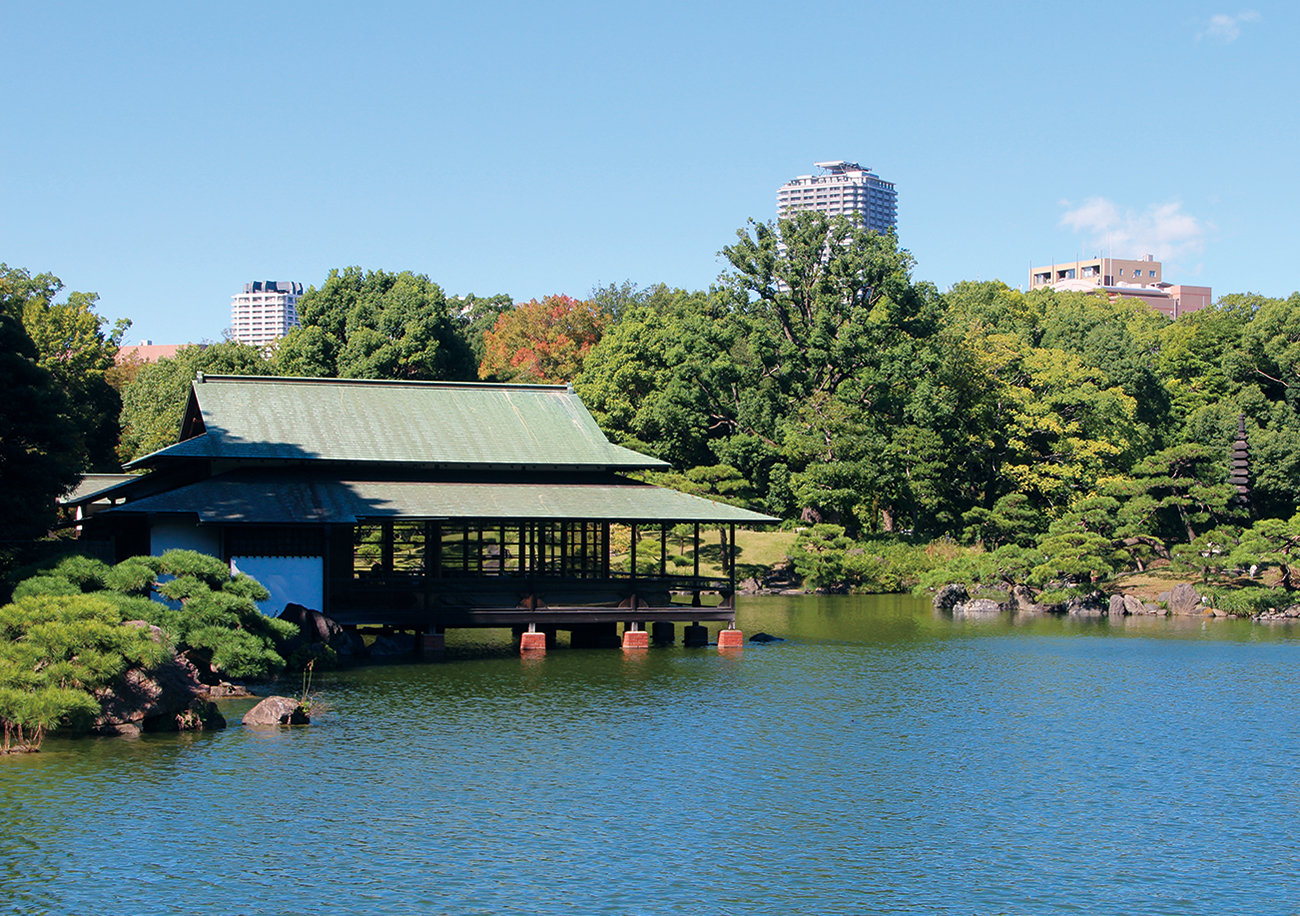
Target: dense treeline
{"type": "Point", "coordinates": [819, 381]}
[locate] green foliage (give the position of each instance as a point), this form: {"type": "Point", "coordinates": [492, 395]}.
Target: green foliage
{"type": "Point", "coordinates": [824, 557]}
{"type": "Point", "coordinates": [74, 348]}
{"type": "Point", "coordinates": [55, 651]}
{"type": "Point", "coordinates": [217, 620]}
{"type": "Point", "coordinates": [41, 448]}
{"type": "Point", "coordinates": [671, 377]}
{"type": "Point", "coordinates": [1212, 555]}
{"type": "Point", "coordinates": [154, 403]}
{"type": "Point", "coordinates": [69, 342]}
{"type": "Point", "coordinates": [476, 315]}
{"type": "Point", "coordinates": [1009, 565]}
{"type": "Point", "coordinates": [1075, 561]}
{"type": "Point", "coordinates": [1252, 600]}
{"type": "Point", "coordinates": [374, 324]}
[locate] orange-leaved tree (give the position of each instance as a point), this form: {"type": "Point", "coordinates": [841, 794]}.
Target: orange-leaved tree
{"type": "Point", "coordinates": [542, 341]}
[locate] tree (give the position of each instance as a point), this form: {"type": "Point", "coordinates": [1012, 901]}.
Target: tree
{"type": "Point", "coordinates": [55, 651]}
{"type": "Point", "coordinates": [154, 403]}
{"type": "Point", "coordinates": [217, 623]}
{"type": "Point", "coordinates": [839, 332]}
{"type": "Point", "coordinates": [374, 324]}
{"type": "Point", "coordinates": [40, 449]}
{"type": "Point", "coordinates": [544, 341]}
{"type": "Point", "coordinates": [477, 315]}
{"type": "Point", "coordinates": [1174, 492]}
{"type": "Point", "coordinates": [72, 345]}
{"type": "Point", "coordinates": [672, 378]}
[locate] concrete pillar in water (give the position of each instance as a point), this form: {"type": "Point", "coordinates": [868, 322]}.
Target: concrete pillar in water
{"type": "Point", "coordinates": [663, 633]}
{"type": "Point", "coordinates": [635, 638]}
{"type": "Point", "coordinates": [533, 641]}
{"type": "Point", "coordinates": [695, 636]}
{"type": "Point", "coordinates": [433, 644]}
{"type": "Point", "coordinates": [731, 638]}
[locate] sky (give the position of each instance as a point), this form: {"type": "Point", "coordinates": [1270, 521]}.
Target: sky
{"type": "Point", "coordinates": [163, 155]}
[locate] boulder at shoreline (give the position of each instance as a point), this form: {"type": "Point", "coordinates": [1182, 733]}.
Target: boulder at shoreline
{"type": "Point", "coordinates": [277, 711]}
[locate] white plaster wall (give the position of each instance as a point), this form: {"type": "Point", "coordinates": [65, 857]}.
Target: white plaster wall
{"type": "Point", "coordinates": [289, 579]}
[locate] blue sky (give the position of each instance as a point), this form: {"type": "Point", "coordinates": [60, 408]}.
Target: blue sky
{"type": "Point", "coordinates": [164, 154]}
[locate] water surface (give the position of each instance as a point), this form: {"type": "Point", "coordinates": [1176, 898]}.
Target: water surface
{"type": "Point", "coordinates": [880, 760]}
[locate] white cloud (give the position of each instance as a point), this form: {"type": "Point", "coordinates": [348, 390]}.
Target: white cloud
{"type": "Point", "coordinates": [1163, 230]}
{"type": "Point", "coordinates": [1227, 28]}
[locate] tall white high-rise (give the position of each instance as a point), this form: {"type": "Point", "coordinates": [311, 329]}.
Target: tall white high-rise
{"type": "Point", "coordinates": [842, 187]}
{"type": "Point", "coordinates": [264, 312]}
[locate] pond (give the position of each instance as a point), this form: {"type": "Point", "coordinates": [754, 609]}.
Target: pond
{"type": "Point", "coordinates": [881, 759]}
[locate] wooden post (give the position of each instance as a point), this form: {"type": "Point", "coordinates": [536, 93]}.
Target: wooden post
{"type": "Point", "coordinates": [697, 550]}
{"type": "Point", "coordinates": [731, 560]}
{"type": "Point", "coordinates": [663, 550]}
{"type": "Point", "coordinates": [633, 554]}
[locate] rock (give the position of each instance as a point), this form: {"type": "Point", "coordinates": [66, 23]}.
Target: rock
{"type": "Point", "coordinates": [1086, 606]}
{"type": "Point", "coordinates": [199, 715]}
{"type": "Point", "coordinates": [150, 700]}
{"type": "Point", "coordinates": [980, 607]}
{"type": "Point", "coordinates": [314, 628]}
{"type": "Point", "coordinates": [949, 596]}
{"type": "Point", "coordinates": [386, 645]}
{"type": "Point", "coordinates": [1022, 601]}
{"type": "Point", "coordinates": [1133, 605]}
{"type": "Point", "coordinates": [277, 711]}
{"type": "Point", "coordinates": [1155, 610]}
{"type": "Point", "coordinates": [1292, 611]}
{"type": "Point", "coordinates": [750, 586]}
{"type": "Point", "coordinates": [765, 637]}
{"type": "Point", "coordinates": [1185, 601]}
{"type": "Point", "coordinates": [1117, 607]}
{"type": "Point", "coordinates": [227, 689]}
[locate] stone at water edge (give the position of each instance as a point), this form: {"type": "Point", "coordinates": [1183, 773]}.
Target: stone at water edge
{"type": "Point", "coordinates": [1185, 601]}
{"type": "Point", "coordinates": [765, 637]}
{"type": "Point", "coordinates": [1117, 606]}
{"type": "Point", "coordinates": [949, 596]}
{"type": "Point", "coordinates": [1085, 606]}
{"type": "Point", "coordinates": [155, 699]}
{"type": "Point", "coordinates": [277, 711]}
{"type": "Point", "coordinates": [980, 607]}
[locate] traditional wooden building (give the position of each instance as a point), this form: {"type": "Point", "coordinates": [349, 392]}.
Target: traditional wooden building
{"type": "Point", "coordinates": [425, 505]}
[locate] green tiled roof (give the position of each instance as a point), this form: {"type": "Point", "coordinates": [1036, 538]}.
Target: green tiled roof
{"type": "Point", "coordinates": [426, 423]}
{"type": "Point", "coordinates": [269, 497]}
{"type": "Point", "coordinates": [94, 486]}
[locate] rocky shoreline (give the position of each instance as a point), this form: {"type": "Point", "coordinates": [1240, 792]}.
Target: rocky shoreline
{"type": "Point", "coordinates": [1183, 600]}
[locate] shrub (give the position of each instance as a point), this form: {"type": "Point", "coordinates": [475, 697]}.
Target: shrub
{"type": "Point", "coordinates": [1252, 600]}
{"type": "Point", "coordinates": [55, 651]}
{"type": "Point", "coordinates": [217, 622]}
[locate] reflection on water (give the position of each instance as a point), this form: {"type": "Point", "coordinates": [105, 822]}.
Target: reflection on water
{"type": "Point", "coordinates": [881, 760]}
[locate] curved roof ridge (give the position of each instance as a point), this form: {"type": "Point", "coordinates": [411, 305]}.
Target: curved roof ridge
{"type": "Point", "coordinates": [203, 378]}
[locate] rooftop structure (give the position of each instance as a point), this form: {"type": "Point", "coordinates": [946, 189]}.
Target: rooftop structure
{"type": "Point", "coordinates": [842, 188]}
{"type": "Point", "coordinates": [264, 312]}
{"type": "Point", "coordinates": [146, 351]}
{"type": "Point", "coordinates": [1123, 279]}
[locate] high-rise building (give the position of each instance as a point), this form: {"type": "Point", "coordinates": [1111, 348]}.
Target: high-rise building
{"type": "Point", "coordinates": [264, 312]}
{"type": "Point", "coordinates": [842, 187]}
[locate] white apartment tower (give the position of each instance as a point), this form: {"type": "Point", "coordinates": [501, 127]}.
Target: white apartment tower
{"type": "Point", "coordinates": [264, 312]}
{"type": "Point", "coordinates": [842, 187]}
